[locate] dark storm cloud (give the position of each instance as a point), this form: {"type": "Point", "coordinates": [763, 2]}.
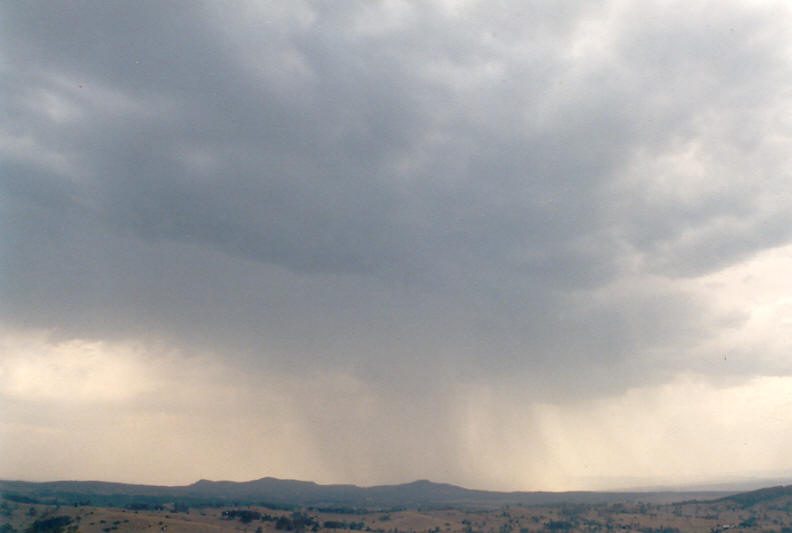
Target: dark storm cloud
{"type": "Point", "coordinates": [380, 191]}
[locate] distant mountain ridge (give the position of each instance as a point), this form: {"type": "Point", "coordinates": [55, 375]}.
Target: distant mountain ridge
{"type": "Point", "coordinates": [777, 495]}
{"type": "Point", "coordinates": [268, 490]}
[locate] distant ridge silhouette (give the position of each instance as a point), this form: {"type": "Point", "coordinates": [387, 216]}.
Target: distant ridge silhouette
{"type": "Point", "coordinates": [268, 490]}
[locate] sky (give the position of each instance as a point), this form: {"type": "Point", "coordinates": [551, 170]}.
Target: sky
{"type": "Point", "coordinates": [506, 245]}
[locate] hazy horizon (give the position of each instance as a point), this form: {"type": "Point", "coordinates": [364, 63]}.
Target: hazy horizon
{"type": "Point", "coordinates": [725, 484]}
{"type": "Point", "coordinates": [523, 246]}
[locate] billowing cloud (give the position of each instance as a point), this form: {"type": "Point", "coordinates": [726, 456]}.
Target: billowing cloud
{"type": "Point", "coordinates": [389, 207]}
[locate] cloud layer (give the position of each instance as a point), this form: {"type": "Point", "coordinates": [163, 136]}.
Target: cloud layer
{"type": "Point", "coordinates": [391, 206]}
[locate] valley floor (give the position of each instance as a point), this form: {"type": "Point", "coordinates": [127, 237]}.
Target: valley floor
{"type": "Point", "coordinates": [705, 517]}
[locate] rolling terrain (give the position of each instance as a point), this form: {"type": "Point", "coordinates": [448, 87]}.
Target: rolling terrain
{"type": "Point", "coordinates": [272, 491]}
{"type": "Point", "coordinates": [766, 510]}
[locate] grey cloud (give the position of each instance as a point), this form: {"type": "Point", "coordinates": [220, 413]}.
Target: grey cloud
{"type": "Point", "coordinates": [278, 182]}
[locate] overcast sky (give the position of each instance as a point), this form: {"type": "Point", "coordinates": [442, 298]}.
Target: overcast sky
{"type": "Point", "coordinates": [508, 245]}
